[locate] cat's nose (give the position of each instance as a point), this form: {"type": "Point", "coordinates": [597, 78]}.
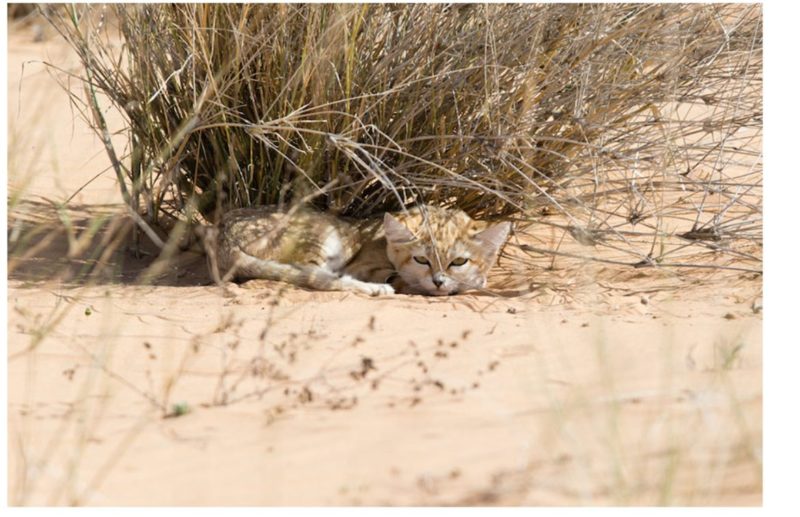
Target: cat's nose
{"type": "Point", "coordinates": [438, 280]}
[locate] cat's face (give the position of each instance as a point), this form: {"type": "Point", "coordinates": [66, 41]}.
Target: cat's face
{"type": "Point", "coordinates": [444, 252]}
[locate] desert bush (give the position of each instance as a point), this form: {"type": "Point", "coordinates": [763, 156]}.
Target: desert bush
{"type": "Point", "coordinates": [631, 122]}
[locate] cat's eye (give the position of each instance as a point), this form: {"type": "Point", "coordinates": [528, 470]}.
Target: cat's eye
{"type": "Point", "coordinates": [422, 260]}
{"type": "Point", "coordinates": [460, 261]}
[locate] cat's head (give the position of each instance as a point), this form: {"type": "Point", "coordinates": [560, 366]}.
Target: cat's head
{"type": "Point", "coordinates": [442, 252]}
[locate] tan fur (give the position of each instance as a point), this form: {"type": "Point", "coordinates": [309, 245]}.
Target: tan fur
{"type": "Point", "coordinates": [443, 238]}
{"type": "Point", "coordinates": [320, 251]}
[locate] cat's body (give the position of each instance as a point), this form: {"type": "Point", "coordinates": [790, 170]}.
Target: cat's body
{"type": "Point", "coordinates": [426, 250]}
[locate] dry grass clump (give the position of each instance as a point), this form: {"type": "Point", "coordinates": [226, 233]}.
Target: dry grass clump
{"type": "Point", "coordinates": [633, 124]}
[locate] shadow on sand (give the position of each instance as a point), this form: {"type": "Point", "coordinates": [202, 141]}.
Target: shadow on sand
{"type": "Point", "coordinates": [92, 245]}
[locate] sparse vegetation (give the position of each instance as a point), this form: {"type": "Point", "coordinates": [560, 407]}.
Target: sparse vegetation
{"type": "Point", "coordinates": [632, 129]}
{"type": "Point", "coordinates": [627, 136]}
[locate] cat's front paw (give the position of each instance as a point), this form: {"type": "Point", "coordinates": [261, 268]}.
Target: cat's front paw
{"type": "Point", "coordinates": [371, 288]}
{"type": "Point", "coordinates": [380, 290]}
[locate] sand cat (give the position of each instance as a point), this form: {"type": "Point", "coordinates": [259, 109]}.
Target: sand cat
{"type": "Point", "coordinates": [426, 250]}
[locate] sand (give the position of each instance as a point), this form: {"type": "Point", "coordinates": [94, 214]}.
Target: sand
{"type": "Point", "coordinates": [640, 389]}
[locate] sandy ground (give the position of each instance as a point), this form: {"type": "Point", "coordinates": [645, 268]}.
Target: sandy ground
{"type": "Point", "coordinates": [188, 394]}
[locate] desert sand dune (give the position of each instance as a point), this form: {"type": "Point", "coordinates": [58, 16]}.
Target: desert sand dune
{"type": "Point", "coordinates": [628, 389]}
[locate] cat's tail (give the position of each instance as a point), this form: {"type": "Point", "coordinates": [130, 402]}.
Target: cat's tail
{"type": "Point", "coordinates": [308, 276]}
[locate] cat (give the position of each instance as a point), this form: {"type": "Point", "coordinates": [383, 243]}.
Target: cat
{"type": "Point", "coordinates": [426, 250]}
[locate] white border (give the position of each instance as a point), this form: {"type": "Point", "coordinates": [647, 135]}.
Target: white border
{"type": "Point", "coordinates": [781, 343]}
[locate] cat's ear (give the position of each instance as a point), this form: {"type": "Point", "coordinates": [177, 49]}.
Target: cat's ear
{"type": "Point", "coordinates": [395, 230]}
{"type": "Point", "coordinates": [492, 238]}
